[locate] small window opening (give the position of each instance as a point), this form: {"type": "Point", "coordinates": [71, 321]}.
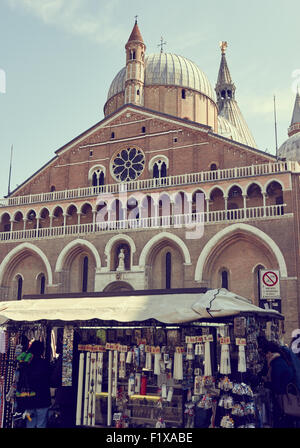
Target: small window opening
{"type": "Point", "coordinates": [168, 270]}
{"type": "Point", "coordinates": [42, 285]}
{"type": "Point", "coordinates": [52, 188]}
{"type": "Point", "coordinates": [112, 135]}
{"type": "Point", "coordinates": [20, 287]}
{"type": "Point", "coordinates": [85, 274]}
{"type": "Point", "coordinates": [183, 94]}
{"type": "Point", "coordinates": [224, 275]}
{"type": "Point", "coordinates": [143, 129]}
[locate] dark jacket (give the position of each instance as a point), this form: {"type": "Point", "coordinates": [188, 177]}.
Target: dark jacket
{"type": "Point", "coordinates": [39, 381]}
{"type": "Point", "coordinates": [281, 374]}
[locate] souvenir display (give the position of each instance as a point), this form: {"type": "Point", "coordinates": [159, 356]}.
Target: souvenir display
{"type": "Point", "coordinates": [194, 376]}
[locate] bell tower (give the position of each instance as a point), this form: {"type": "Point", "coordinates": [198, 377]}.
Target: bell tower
{"type": "Point", "coordinates": [135, 67]}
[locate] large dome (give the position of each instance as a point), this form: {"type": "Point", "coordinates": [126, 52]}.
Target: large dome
{"type": "Point", "coordinates": [168, 69]}
{"type": "Point", "coordinates": [290, 149]}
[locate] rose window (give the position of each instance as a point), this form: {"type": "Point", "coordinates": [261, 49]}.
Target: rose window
{"type": "Point", "coordinates": [128, 164]}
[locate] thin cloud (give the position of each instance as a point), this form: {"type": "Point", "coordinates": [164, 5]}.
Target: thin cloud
{"type": "Point", "coordinates": [73, 17]}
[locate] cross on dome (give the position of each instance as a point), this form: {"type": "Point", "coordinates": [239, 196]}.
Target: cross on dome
{"type": "Point", "coordinates": [161, 44]}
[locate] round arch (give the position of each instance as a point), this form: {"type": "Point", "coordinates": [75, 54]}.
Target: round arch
{"type": "Point", "coordinates": [29, 248]}
{"type": "Point", "coordinates": [254, 182]}
{"type": "Point", "coordinates": [270, 182]}
{"type": "Point", "coordinates": [244, 228]}
{"type": "Point", "coordinates": [66, 250]}
{"type": "Point", "coordinates": [115, 239]}
{"type": "Point", "coordinates": [164, 236]}
{"type": "Point", "coordinates": [240, 187]}
{"type": "Point", "coordinates": [118, 286]}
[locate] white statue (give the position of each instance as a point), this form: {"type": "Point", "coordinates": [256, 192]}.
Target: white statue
{"type": "Point", "coordinates": [121, 266]}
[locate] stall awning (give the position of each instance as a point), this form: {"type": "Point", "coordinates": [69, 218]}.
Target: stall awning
{"type": "Point", "coordinates": [165, 308]}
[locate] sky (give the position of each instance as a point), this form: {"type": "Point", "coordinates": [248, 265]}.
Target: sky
{"type": "Point", "coordinates": [58, 58]}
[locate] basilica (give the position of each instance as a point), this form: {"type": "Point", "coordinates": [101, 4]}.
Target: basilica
{"type": "Point", "coordinates": [168, 190]}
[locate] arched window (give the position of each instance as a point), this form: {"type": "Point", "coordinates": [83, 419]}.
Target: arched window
{"type": "Point", "coordinates": [159, 166]}
{"type": "Point", "coordinates": [183, 94]}
{"type": "Point", "coordinates": [224, 279]}
{"type": "Point", "coordinates": [19, 287]}
{"type": "Point", "coordinates": [213, 167]}
{"type": "Point", "coordinates": [42, 284]}
{"type": "Point", "coordinates": [112, 135]}
{"type": "Point", "coordinates": [97, 176]}
{"type": "Point", "coordinates": [85, 269]}
{"type": "Point", "coordinates": [168, 270]}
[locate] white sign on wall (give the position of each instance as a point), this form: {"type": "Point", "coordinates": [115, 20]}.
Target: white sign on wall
{"type": "Point", "coordinates": [269, 284]}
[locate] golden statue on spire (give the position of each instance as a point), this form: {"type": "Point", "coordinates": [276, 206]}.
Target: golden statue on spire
{"type": "Point", "coordinates": [223, 46]}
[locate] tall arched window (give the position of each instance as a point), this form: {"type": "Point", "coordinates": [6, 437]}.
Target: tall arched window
{"type": "Point", "coordinates": [85, 269]}
{"type": "Point", "coordinates": [168, 270]}
{"type": "Point", "coordinates": [97, 176]}
{"type": "Point", "coordinates": [43, 284]}
{"type": "Point", "coordinates": [159, 166]}
{"type": "Point", "coordinates": [19, 287]}
{"type": "Point", "coordinates": [224, 279]}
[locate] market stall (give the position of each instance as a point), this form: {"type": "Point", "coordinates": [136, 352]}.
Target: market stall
{"type": "Point", "coordinates": [178, 359]}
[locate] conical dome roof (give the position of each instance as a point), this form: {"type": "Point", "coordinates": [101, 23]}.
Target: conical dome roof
{"type": "Point", "coordinates": [290, 149]}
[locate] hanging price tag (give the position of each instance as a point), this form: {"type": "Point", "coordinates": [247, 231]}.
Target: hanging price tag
{"type": "Point", "coordinates": [224, 340]}
{"type": "Point", "coordinates": [208, 338]}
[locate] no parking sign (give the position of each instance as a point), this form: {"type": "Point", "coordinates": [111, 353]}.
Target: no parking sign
{"type": "Point", "coordinates": [269, 284]}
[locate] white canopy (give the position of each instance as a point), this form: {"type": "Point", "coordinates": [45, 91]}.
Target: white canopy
{"type": "Point", "coordinates": [166, 308]}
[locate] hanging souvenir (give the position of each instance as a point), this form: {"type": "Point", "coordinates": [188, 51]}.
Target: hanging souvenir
{"type": "Point", "coordinates": [131, 384]}
{"type": "Point", "coordinates": [115, 372]}
{"type": "Point", "coordinates": [207, 359]}
{"type": "Point", "coordinates": [143, 385]}
{"type": "Point", "coordinates": [170, 394]}
{"type": "Point", "coordinates": [137, 387]}
{"type": "Point", "coordinates": [79, 389]}
{"type": "Point", "coordinates": [129, 357]}
{"type": "Point", "coordinates": [190, 351]}
{"type": "Point", "coordinates": [242, 367]}
{"type": "Point", "coordinates": [178, 366]}
{"type": "Point", "coordinates": [148, 364]}
{"type": "Point", "coordinates": [157, 358]}
{"type": "Point", "coordinates": [67, 356]}
{"type": "Point", "coordinates": [225, 367]}
{"type": "Point", "coordinates": [99, 372]}
{"type": "Point", "coordinates": [122, 367]}
{"type": "Point", "coordinates": [137, 356]}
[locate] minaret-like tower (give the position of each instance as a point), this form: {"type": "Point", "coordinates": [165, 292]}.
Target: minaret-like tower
{"type": "Point", "coordinates": [227, 105]}
{"type": "Point", "coordinates": [225, 88]}
{"type": "Point", "coordinates": [294, 127]}
{"type": "Point", "coordinates": [135, 68]}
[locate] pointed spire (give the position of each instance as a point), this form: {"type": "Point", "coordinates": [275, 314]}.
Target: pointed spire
{"type": "Point", "coordinates": [295, 122]}
{"type": "Point", "coordinates": [224, 76]}
{"type": "Point", "coordinates": [135, 33]}
{"type": "Point", "coordinates": [227, 105]}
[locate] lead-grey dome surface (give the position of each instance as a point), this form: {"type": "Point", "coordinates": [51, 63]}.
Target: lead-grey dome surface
{"type": "Point", "coordinates": [290, 149]}
{"type": "Point", "coordinates": [168, 69]}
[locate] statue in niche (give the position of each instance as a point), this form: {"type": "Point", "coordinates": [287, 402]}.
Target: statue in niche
{"type": "Point", "coordinates": [121, 265]}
